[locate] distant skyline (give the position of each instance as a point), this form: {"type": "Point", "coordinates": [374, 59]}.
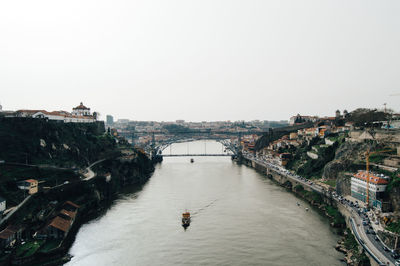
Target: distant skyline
{"type": "Point", "coordinates": [200, 60]}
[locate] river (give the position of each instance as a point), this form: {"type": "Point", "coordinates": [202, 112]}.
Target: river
{"type": "Point", "coordinates": [239, 218]}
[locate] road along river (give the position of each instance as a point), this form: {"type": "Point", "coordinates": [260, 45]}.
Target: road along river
{"type": "Point", "coordinates": [239, 218]}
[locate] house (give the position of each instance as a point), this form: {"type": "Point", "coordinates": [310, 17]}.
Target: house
{"type": "Point", "coordinates": [58, 228]}
{"type": "Point", "coordinates": [2, 205]}
{"type": "Point", "coordinates": [10, 235]}
{"type": "Point", "coordinates": [60, 225]}
{"type": "Point", "coordinates": [323, 132]}
{"type": "Point", "coordinates": [284, 158]}
{"type": "Point", "coordinates": [377, 187]}
{"type": "Point", "coordinates": [7, 238]}
{"type": "Point", "coordinates": [30, 184]}
{"type": "Point", "coordinates": [293, 135]}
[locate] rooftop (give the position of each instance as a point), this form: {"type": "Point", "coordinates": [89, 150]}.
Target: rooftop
{"type": "Point", "coordinates": [60, 224]}
{"type": "Point", "coordinates": [81, 106]}
{"type": "Point", "coordinates": [379, 180]}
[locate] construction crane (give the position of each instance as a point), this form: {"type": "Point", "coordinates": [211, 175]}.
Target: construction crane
{"type": "Point", "coordinates": [367, 154]}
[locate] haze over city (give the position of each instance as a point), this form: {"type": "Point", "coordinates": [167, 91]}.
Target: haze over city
{"type": "Point", "coordinates": [207, 60]}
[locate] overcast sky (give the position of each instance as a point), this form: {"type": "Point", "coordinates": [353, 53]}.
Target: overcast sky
{"type": "Point", "coordinates": [200, 60]}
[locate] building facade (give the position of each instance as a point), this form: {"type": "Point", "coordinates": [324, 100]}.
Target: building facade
{"type": "Point", "coordinates": [30, 184]}
{"type": "Point", "coordinates": [377, 187]}
{"type": "Point", "coordinates": [109, 120]}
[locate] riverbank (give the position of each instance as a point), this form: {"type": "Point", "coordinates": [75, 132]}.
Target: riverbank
{"type": "Point", "coordinates": [92, 196]}
{"type": "Point", "coordinates": [325, 206]}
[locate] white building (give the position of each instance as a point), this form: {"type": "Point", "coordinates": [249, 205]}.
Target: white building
{"type": "Point", "coordinates": [2, 205]}
{"type": "Point", "coordinates": [81, 110]}
{"type": "Point", "coordinates": [377, 187]}
{"type": "Point", "coordinates": [80, 114]}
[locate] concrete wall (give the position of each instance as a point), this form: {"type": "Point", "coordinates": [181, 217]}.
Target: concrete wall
{"type": "Point", "coordinates": [274, 175]}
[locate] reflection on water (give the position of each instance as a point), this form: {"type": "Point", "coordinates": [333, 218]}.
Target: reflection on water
{"type": "Point", "coordinates": [239, 218]}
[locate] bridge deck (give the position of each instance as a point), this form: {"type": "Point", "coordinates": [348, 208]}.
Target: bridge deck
{"type": "Point", "coordinates": [194, 155]}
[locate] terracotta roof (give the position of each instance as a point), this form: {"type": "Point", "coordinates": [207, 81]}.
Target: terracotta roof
{"type": "Point", "coordinates": [5, 234]}
{"type": "Point", "coordinates": [81, 106]}
{"type": "Point", "coordinates": [70, 214]}
{"type": "Point", "coordinates": [372, 178]}
{"type": "Point", "coordinates": [31, 180]}
{"type": "Point", "coordinates": [8, 231]}
{"type": "Point", "coordinates": [72, 204]}
{"type": "Point", "coordinates": [31, 111]}
{"type": "Point", "coordinates": [60, 224]}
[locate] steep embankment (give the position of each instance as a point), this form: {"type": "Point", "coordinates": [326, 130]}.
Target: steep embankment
{"type": "Point", "coordinates": [56, 154]}
{"type": "Point", "coordinates": [37, 141]}
{"type": "Point", "coordinates": [347, 159]}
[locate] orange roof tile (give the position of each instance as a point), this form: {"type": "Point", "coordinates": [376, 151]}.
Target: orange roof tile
{"type": "Point", "coordinates": [81, 106]}
{"type": "Point", "coordinates": [72, 204]}
{"type": "Point", "coordinates": [60, 224]}
{"type": "Point", "coordinates": [70, 214]}
{"type": "Point", "coordinates": [372, 178]}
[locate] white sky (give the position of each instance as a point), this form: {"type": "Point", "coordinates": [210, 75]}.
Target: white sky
{"type": "Point", "coordinates": [200, 60]}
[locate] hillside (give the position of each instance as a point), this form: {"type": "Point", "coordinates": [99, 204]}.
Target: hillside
{"type": "Point", "coordinates": [37, 141]}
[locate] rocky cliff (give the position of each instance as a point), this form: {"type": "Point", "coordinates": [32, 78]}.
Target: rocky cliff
{"type": "Point", "coordinates": [37, 141]}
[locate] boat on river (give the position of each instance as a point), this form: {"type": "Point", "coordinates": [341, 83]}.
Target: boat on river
{"type": "Point", "coordinates": [185, 219]}
{"type": "Point", "coordinates": [192, 160]}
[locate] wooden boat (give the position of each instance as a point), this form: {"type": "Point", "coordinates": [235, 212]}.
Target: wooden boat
{"type": "Point", "coordinates": [185, 219]}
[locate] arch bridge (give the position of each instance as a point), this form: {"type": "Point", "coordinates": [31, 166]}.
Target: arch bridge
{"type": "Point", "coordinates": [230, 140]}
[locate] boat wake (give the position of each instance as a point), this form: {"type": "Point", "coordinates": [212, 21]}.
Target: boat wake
{"type": "Point", "coordinates": [204, 208]}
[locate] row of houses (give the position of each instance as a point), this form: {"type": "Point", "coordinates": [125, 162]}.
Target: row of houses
{"type": "Point", "coordinates": [59, 226]}
{"type": "Point", "coordinates": [79, 114]}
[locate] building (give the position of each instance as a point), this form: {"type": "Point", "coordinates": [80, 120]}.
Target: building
{"type": "Point", "coordinates": [58, 228]}
{"type": "Point", "coordinates": [60, 225]}
{"type": "Point", "coordinates": [377, 187]}
{"type": "Point", "coordinates": [30, 184]}
{"type": "Point", "coordinates": [109, 119]}
{"type": "Point", "coordinates": [2, 205]}
{"type": "Point", "coordinates": [297, 119]}
{"type": "Point", "coordinates": [81, 110]}
{"type": "Point", "coordinates": [80, 114]}
{"type": "Point", "coordinates": [10, 235]}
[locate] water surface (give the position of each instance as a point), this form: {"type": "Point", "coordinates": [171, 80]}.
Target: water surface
{"type": "Point", "coordinates": [239, 218]}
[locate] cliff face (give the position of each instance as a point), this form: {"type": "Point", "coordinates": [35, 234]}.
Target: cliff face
{"type": "Point", "coordinates": [394, 198]}
{"type": "Point", "coordinates": [345, 156]}
{"type": "Point", "coordinates": [37, 141]}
